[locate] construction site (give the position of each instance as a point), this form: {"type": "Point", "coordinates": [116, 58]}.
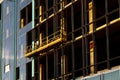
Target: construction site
{"type": "Point", "coordinates": [60, 40]}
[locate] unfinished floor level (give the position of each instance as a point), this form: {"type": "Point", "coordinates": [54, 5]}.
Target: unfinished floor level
{"type": "Point", "coordinates": [72, 38]}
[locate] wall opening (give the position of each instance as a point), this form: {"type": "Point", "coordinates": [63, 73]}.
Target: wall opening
{"type": "Point", "coordinates": [78, 58]}
{"type": "Point", "coordinates": [17, 73]}
{"type": "Point", "coordinates": [101, 50]}
{"type": "Point", "coordinates": [50, 65]}
{"type": "Point", "coordinates": [29, 71]}
{"type": "Point", "coordinates": [43, 68]}
{"type": "Point", "coordinates": [114, 45]}
{"type": "Point", "coordinates": [26, 15]}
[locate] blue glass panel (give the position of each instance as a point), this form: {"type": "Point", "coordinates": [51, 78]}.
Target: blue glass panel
{"type": "Point", "coordinates": [93, 78]}
{"type": "Point", "coordinates": [115, 75]}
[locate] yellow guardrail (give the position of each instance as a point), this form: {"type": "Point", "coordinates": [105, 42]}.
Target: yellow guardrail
{"type": "Point", "coordinates": [45, 41]}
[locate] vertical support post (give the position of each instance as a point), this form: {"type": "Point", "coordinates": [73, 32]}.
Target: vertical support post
{"type": "Point", "coordinates": [83, 41]}
{"type": "Point", "coordinates": [41, 71]}
{"type": "Point", "coordinates": [107, 35]}
{"type": "Point", "coordinates": [46, 5]}
{"type": "Point", "coordinates": [46, 66]}
{"type": "Point", "coordinates": [61, 35]}
{"type": "Point", "coordinates": [1, 42]}
{"type": "Point", "coordinates": [40, 13]}
{"type": "Point", "coordinates": [15, 37]}
{"type": "Point", "coordinates": [62, 20]}
{"type": "Point", "coordinates": [22, 23]}
{"type": "Point", "coordinates": [55, 63]}
{"type": "Point", "coordinates": [40, 39]}
{"type": "Point", "coordinates": [33, 15]}
{"type": "Point", "coordinates": [90, 7]}
{"type": "Point", "coordinates": [73, 55]}
{"type": "Point", "coordinates": [92, 56]}
{"type": "Point", "coordinates": [63, 65]}
{"type": "Point", "coordinates": [62, 4]}
{"type": "Point", "coordinates": [33, 69]}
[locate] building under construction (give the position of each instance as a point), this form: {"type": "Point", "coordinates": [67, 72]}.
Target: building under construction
{"type": "Point", "coordinates": [59, 40]}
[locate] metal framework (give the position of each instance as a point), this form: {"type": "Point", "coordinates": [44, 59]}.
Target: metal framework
{"type": "Point", "coordinates": [92, 38]}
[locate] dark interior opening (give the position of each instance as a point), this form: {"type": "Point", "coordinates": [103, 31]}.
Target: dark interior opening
{"type": "Point", "coordinates": [101, 50]}
{"type": "Point", "coordinates": [114, 45]}
{"type": "Point", "coordinates": [112, 5]}
{"type": "Point", "coordinates": [29, 38]}
{"type": "Point", "coordinates": [77, 19]}
{"type": "Point", "coordinates": [43, 62]}
{"type": "Point", "coordinates": [59, 62]}
{"type": "Point", "coordinates": [87, 54]}
{"type": "Point", "coordinates": [68, 55]}
{"type": "Point", "coordinates": [113, 16]}
{"type": "Point", "coordinates": [37, 16]}
{"type": "Point", "coordinates": [51, 66]}
{"type": "Point", "coordinates": [99, 12]}
{"type": "Point", "coordinates": [50, 26]}
{"type": "Point", "coordinates": [43, 30]}
{"type": "Point", "coordinates": [29, 12]}
{"type": "Point", "coordinates": [17, 73]}
{"type": "Point", "coordinates": [78, 58]}
{"type": "Point", "coordinates": [58, 21]}
{"type": "Point", "coordinates": [67, 1]}
{"type": "Point", "coordinates": [77, 15]}
{"type": "Point", "coordinates": [50, 3]}
{"type": "Point", "coordinates": [36, 33]}
{"type": "Point", "coordinates": [29, 71]}
{"type": "Point", "coordinates": [37, 64]}
{"type": "Point", "coordinates": [68, 21]}
{"type": "Point", "coordinates": [50, 7]}
{"type": "Point", "coordinates": [26, 15]}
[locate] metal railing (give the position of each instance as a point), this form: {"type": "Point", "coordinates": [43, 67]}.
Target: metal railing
{"type": "Point", "coordinates": [44, 41]}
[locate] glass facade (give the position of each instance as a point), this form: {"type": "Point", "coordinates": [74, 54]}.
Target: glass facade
{"type": "Point", "coordinates": [8, 39]}
{"type": "Point", "coordinates": [82, 38]}
{"type": "Point", "coordinates": [110, 75]}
